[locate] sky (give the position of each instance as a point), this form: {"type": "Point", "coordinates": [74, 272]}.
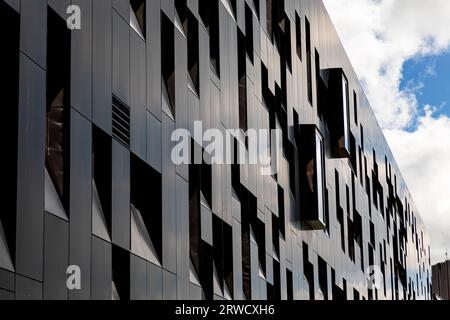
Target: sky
{"type": "Point", "coordinates": [400, 50]}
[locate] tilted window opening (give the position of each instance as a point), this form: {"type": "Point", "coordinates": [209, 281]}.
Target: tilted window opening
{"type": "Point", "coordinates": [242, 76]}
{"type": "Point", "coordinates": [308, 61]}
{"type": "Point", "coordinates": [193, 53]}
{"type": "Point", "coordinates": [168, 65]}
{"type": "Point", "coordinates": [9, 82]}
{"type": "Point", "coordinates": [146, 211]}
{"type": "Point", "coordinates": [209, 13]}
{"type": "Point", "coordinates": [138, 16]}
{"type": "Point", "coordinates": [58, 105]}
{"type": "Point", "coordinates": [249, 32]}
{"type": "Point", "coordinates": [101, 184]}
{"type": "Point", "coordinates": [298, 35]}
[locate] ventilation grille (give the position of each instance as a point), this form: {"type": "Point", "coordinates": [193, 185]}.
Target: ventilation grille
{"type": "Point", "coordinates": [121, 122]}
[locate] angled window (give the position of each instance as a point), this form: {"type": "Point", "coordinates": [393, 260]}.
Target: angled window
{"type": "Point", "coordinates": [323, 278]}
{"type": "Point", "coordinates": [249, 31]}
{"type": "Point", "coordinates": [308, 272]}
{"type": "Point", "coordinates": [269, 17]}
{"type": "Point", "coordinates": [308, 61]}
{"type": "Point", "coordinates": [290, 285]}
{"type": "Point", "coordinates": [9, 84]}
{"type": "Point", "coordinates": [193, 53]}
{"type": "Point", "coordinates": [181, 15]}
{"type": "Point", "coordinates": [120, 274]}
{"type": "Point", "coordinates": [230, 5]}
{"type": "Point", "coordinates": [242, 76]}
{"type": "Point", "coordinates": [223, 256]}
{"type": "Point", "coordinates": [312, 178]}
{"type": "Point", "coordinates": [58, 115]}
{"type": "Point", "coordinates": [285, 39]}
{"type": "Point", "coordinates": [298, 35]}
{"type": "Point", "coordinates": [353, 154]}
{"type": "Point", "coordinates": [209, 13]}
{"type": "Point", "coordinates": [146, 211]}
{"type": "Point", "coordinates": [256, 7]}
{"type": "Point", "coordinates": [200, 180]}
{"type": "Point", "coordinates": [168, 65]}
{"type": "Point", "coordinates": [138, 16]}
{"type": "Point", "coordinates": [101, 184]}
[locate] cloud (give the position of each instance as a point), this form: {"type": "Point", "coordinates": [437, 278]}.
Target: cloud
{"type": "Point", "coordinates": [390, 32]}
{"type": "Point", "coordinates": [379, 36]}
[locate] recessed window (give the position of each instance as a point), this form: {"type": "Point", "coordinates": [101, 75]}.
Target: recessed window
{"type": "Point", "coordinates": [308, 61]}
{"type": "Point", "coordinates": [249, 31]}
{"type": "Point", "coordinates": [138, 16]}
{"type": "Point", "coordinates": [146, 211]}
{"type": "Point", "coordinates": [193, 52]}
{"type": "Point", "coordinates": [298, 35]}
{"type": "Point", "coordinates": [281, 209]}
{"type": "Point", "coordinates": [248, 214]}
{"type": "Point", "coordinates": [269, 18]}
{"type": "Point", "coordinates": [257, 7]}
{"type": "Point", "coordinates": [58, 105]}
{"type": "Point", "coordinates": [308, 272]}
{"type": "Point", "coordinates": [355, 107]}
{"type": "Point", "coordinates": [242, 76]}
{"type": "Point", "coordinates": [101, 183]}
{"type": "Point", "coordinates": [312, 178]}
{"type": "Point", "coordinates": [323, 278]}
{"type": "Point", "coordinates": [199, 196]}
{"type": "Point", "coordinates": [168, 65]}
{"type": "Point", "coordinates": [120, 273]}
{"type": "Point", "coordinates": [9, 79]}
{"type": "Point", "coordinates": [233, 7]}
{"type": "Point", "coordinates": [223, 256]}
{"type": "Point", "coordinates": [285, 46]}
{"type": "Point", "coordinates": [353, 154]}
{"type": "Point", "coordinates": [320, 87]}
{"type": "Point", "coordinates": [345, 142]}
{"type": "Point", "coordinates": [181, 11]}
{"type": "Point", "coordinates": [209, 13]}
{"type": "Point", "coordinates": [290, 285]}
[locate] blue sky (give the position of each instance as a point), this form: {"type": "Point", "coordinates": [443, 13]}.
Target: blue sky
{"type": "Point", "coordinates": [429, 76]}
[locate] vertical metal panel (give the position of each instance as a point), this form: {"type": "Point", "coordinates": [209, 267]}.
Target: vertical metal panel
{"type": "Point", "coordinates": [138, 99]}
{"type": "Point", "coordinates": [30, 181]}
{"type": "Point", "coordinates": [80, 200]}
{"type": "Point", "coordinates": [82, 54]}
{"type": "Point", "coordinates": [56, 256]}
{"type": "Point", "coordinates": [120, 195]}
{"type": "Point", "coordinates": [102, 64]}
{"type": "Point", "coordinates": [101, 270]}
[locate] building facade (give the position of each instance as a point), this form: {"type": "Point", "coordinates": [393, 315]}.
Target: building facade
{"type": "Point", "coordinates": [441, 280]}
{"type": "Point", "coordinates": [97, 208]}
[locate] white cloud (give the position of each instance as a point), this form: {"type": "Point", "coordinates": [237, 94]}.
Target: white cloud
{"type": "Point", "coordinates": [379, 36]}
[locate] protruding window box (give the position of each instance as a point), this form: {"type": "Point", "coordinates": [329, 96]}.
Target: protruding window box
{"type": "Point", "coordinates": [337, 111]}
{"type": "Point", "coordinates": [312, 178]}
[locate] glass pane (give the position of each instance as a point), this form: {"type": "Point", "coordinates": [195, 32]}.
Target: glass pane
{"type": "Point", "coordinates": [345, 111]}
{"type": "Point", "coordinates": [319, 176]}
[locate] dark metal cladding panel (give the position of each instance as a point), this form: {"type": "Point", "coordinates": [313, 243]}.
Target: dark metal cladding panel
{"type": "Point", "coordinates": [254, 61]}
